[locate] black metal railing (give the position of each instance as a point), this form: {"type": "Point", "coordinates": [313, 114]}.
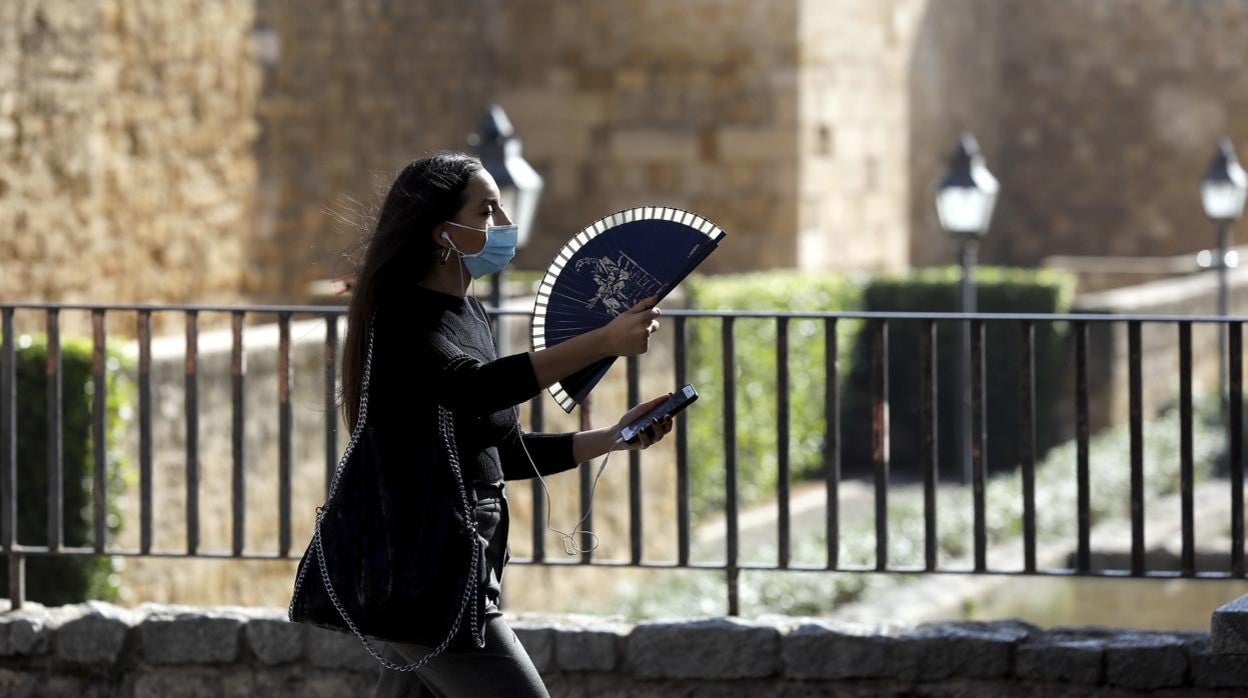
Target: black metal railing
{"type": "Point", "coordinates": [877, 325]}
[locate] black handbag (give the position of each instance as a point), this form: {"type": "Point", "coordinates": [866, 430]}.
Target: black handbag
{"type": "Point", "coordinates": [394, 554]}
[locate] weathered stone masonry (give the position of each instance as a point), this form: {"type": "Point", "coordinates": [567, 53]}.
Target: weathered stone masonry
{"type": "Point", "coordinates": [102, 650]}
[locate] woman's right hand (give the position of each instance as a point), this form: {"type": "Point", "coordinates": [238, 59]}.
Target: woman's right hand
{"type": "Point", "coordinates": [629, 332]}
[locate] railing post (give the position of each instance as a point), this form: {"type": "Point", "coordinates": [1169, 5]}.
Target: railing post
{"type": "Point", "coordinates": [730, 464]}
{"type": "Point", "coordinates": [56, 453]}
{"type": "Point", "coordinates": [880, 437]}
{"type": "Point", "coordinates": [8, 459]}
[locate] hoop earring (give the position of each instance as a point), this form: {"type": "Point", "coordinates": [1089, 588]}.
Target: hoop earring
{"type": "Point", "coordinates": [446, 254]}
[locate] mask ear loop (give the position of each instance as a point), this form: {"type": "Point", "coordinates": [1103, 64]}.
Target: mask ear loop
{"type": "Point", "coordinates": [471, 281]}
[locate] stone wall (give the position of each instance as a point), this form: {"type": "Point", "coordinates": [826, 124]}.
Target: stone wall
{"type": "Point", "coordinates": [854, 146]}
{"type": "Point", "coordinates": [351, 90]}
{"type": "Point", "coordinates": [1099, 118]}
{"type": "Point", "coordinates": [690, 104]}
{"type": "Point", "coordinates": [125, 149]}
{"type": "Point", "coordinates": [141, 160]}
{"type": "Point", "coordinates": [1108, 373]}
{"type": "Point", "coordinates": [103, 650]}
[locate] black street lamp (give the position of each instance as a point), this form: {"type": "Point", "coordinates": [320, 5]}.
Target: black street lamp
{"type": "Point", "coordinates": [519, 185]}
{"type": "Point", "coordinates": [1222, 193]}
{"type": "Point", "coordinates": [965, 199]}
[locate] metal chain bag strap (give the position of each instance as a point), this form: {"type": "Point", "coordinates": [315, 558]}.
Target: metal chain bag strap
{"type": "Point", "coordinates": [365, 539]}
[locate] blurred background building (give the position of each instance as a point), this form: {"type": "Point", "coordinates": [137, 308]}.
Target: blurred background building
{"type": "Point", "coordinates": [181, 150]}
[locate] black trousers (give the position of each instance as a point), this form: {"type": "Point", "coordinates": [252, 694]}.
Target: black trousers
{"type": "Point", "coordinates": [502, 667]}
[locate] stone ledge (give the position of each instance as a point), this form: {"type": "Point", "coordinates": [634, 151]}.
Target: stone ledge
{"type": "Point", "coordinates": [725, 648]}
{"type": "Point", "coordinates": [237, 649]}
{"type": "Point", "coordinates": [1229, 627]}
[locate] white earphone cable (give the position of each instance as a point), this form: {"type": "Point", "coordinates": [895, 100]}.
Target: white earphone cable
{"type": "Point", "coordinates": [570, 545]}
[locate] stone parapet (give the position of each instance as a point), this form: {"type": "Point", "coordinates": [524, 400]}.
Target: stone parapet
{"type": "Point", "coordinates": [103, 650]}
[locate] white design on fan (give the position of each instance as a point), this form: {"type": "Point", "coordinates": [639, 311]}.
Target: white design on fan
{"type": "Point", "coordinates": [621, 283]}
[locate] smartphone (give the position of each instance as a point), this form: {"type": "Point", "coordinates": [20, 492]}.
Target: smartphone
{"type": "Point", "coordinates": [678, 401]}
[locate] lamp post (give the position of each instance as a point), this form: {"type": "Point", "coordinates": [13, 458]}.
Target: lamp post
{"type": "Point", "coordinates": [519, 185]}
{"type": "Point", "coordinates": [964, 203]}
{"type": "Point", "coordinates": [1222, 194]}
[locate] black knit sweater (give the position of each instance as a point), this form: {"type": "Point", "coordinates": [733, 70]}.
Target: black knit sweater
{"type": "Point", "coordinates": [433, 348]}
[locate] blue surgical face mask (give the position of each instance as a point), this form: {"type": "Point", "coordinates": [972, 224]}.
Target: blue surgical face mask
{"type": "Point", "coordinates": [500, 247]}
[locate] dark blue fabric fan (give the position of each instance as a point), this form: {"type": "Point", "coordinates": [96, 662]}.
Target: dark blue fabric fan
{"type": "Point", "coordinates": [605, 270]}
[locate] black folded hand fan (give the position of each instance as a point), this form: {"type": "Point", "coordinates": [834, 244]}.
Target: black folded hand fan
{"type": "Point", "coordinates": [605, 270]}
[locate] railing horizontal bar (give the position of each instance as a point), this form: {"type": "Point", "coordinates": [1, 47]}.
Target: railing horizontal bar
{"type": "Point", "coordinates": [891, 315]}
{"type": "Point", "coordinates": [325, 311]}
{"type": "Point", "coordinates": [717, 566]}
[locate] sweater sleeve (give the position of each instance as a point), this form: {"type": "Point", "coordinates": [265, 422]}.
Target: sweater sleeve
{"type": "Point", "coordinates": [552, 453]}
{"type": "Point", "coordinates": [466, 384]}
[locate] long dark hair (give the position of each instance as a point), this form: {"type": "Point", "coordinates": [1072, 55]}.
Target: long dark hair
{"type": "Point", "coordinates": [425, 193]}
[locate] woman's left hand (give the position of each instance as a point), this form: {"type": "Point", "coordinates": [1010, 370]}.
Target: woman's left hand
{"type": "Point", "coordinates": [649, 436]}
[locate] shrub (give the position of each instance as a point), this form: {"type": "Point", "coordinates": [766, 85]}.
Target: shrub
{"type": "Point", "coordinates": [64, 579]}
{"type": "Point", "coordinates": [755, 352]}
{"type": "Point", "coordinates": [936, 290]}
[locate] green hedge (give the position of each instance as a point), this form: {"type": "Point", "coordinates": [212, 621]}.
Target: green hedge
{"type": "Point", "coordinates": [1000, 290]}
{"type": "Point", "coordinates": [936, 290]}
{"type": "Point", "coordinates": [755, 347]}
{"type": "Point", "coordinates": [60, 580]}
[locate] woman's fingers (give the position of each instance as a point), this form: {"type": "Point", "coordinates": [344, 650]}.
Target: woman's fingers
{"type": "Point", "coordinates": [644, 304]}
{"type": "Point", "coordinates": [644, 408]}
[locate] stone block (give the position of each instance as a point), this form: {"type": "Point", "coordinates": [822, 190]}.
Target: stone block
{"type": "Point", "coordinates": [1137, 660]}
{"type": "Point", "coordinates": [275, 641]}
{"type": "Point", "coordinates": [587, 649]}
{"type": "Point", "coordinates": [1059, 658]}
{"type": "Point", "coordinates": [30, 630]}
{"type": "Point", "coordinates": [971, 650]}
{"type": "Point", "coordinates": [190, 637]}
{"type": "Point", "coordinates": [98, 636]}
{"type": "Point", "coordinates": [1209, 669]}
{"type": "Point", "coordinates": [17, 683]}
{"type": "Point", "coordinates": [184, 683]}
{"type": "Point", "coordinates": [819, 651]}
{"type": "Point", "coordinates": [1229, 627]}
{"type": "Point", "coordinates": [334, 650]}
{"type": "Point", "coordinates": [722, 648]}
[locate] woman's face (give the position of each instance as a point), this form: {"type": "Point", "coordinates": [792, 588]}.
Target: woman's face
{"type": "Point", "coordinates": [481, 209]}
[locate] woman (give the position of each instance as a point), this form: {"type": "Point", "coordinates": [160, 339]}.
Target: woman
{"type": "Point", "coordinates": [440, 226]}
